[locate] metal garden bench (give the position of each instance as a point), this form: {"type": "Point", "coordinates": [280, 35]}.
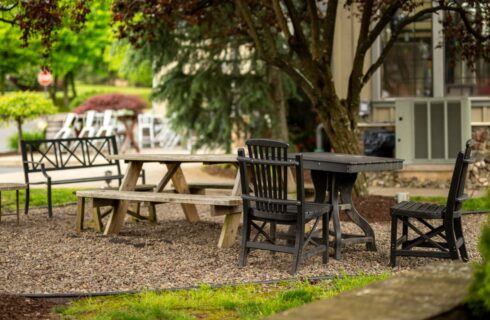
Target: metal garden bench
{"type": "Point", "coordinates": [41, 157]}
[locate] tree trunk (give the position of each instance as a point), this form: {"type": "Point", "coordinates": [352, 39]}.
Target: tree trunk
{"type": "Point", "coordinates": [52, 90]}
{"type": "Point", "coordinates": [72, 84]}
{"type": "Point", "coordinates": [66, 99]}
{"type": "Point", "coordinates": [2, 84]}
{"type": "Point", "coordinates": [342, 132]}
{"type": "Point", "coordinates": [19, 133]}
{"type": "Point", "coordinates": [276, 94]}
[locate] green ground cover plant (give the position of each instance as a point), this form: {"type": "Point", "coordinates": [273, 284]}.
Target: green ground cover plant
{"type": "Point", "coordinates": [473, 204]}
{"type": "Point", "coordinates": [13, 140]}
{"type": "Point", "coordinates": [246, 301]}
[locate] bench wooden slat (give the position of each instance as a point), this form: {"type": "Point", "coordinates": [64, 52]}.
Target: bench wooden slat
{"type": "Point", "coordinates": [220, 200]}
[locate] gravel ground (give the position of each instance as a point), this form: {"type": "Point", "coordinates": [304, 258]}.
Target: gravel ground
{"type": "Point", "coordinates": [47, 256]}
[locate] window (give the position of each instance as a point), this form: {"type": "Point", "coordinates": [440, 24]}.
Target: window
{"type": "Point", "coordinates": [407, 69]}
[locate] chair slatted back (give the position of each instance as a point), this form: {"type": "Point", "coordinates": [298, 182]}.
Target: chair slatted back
{"type": "Point", "coordinates": [266, 168]}
{"type": "Point", "coordinates": [456, 195]}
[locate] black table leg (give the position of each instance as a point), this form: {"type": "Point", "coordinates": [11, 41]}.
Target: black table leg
{"type": "Point", "coordinates": [345, 182]}
{"type": "Point", "coordinates": [323, 180]}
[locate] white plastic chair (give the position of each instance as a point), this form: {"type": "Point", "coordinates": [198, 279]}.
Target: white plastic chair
{"type": "Point", "coordinates": [89, 125]}
{"type": "Point", "coordinates": [146, 124]}
{"type": "Point", "coordinates": [108, 127]}
{"type": "Point", "coordinates": [66, 130]}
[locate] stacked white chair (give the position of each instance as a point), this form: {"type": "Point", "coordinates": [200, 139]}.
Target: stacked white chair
{"type": "Point", "coordinates": [108, 125]}
{"type": "Point", "coordinates": [89, 127]}
{"type": "Point", "coordinates": [67, 129]}
{"type": "Point", "coordinates": [146, 129]}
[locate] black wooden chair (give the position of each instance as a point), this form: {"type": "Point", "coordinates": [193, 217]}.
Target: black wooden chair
{"type": "Point", "coordinates": [437, 227]}
{"type": "Point", "coordinates": [264, 181]}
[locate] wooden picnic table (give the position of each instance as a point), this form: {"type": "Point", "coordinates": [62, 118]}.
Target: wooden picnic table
{"type": "Point", "coordinates": [175, 174]}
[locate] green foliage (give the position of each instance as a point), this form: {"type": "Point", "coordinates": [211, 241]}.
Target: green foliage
{"type": "Point", "coordinates": [143, 93]}
{"type": "Point", "coordinates": [130, 64]}
{"type": "Point", "coordinates": [237, 302]}
{"type": "Point", "coordinates": [38, 197]}
{"type": "Point", "coordinates": [479, 294]}
{"type": "Point", "coordinates": [24, 105]}
{"type": "Point", "coordinates": [13, 140]}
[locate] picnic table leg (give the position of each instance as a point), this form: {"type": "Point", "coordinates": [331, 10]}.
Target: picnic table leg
{"type": "Point", "coordinates": [116, 219]}
{"type": "Point", "coordinates": [346, 185]}
{"type": "Point", "coordinates": [232, 220]}
{"type": "Point", "coordinates": [80, 213]}
{"type": "Point", "coordinates": [181, 186]}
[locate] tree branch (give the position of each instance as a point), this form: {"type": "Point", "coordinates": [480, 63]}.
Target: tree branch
{"type": "Point", "coordinates": [467, 24]}
{"type": "Point", "coordinates": [329, 30]}
{"type": "Point", "coordinates": [251, 27]}
{"type": "Point", "coordinates": [416, 17]}
{"type": "Point", "coordinates": [11, 22]}
{"type": "Point", "coordinates": [281, 20]}
{"type": "Point", "coordinates": [315, 33]}
{"type": "Point", "coordinates": [298, 30]}
{"type": "Point", "coordinates": [5, 9]}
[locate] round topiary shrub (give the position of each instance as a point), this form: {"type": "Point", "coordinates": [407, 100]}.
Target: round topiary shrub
{"type": "Point", "coordinates": [20, 106]}
{"type": "Point", "coordinates": [113, 101]}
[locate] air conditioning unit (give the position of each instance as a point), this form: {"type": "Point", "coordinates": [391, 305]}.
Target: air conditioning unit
{"type": "Point", "coordinates": [431, 130]}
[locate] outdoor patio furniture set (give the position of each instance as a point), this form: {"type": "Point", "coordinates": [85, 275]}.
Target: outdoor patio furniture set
{"type": "Point", "coordinates": [268, 189]}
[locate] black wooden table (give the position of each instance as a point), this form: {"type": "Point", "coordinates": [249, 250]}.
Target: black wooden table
{"type": "Point", "coordinates": [338, 173]}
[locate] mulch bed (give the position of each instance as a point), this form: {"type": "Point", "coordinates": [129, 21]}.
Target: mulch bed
{"type": "Point", "coordinates": [374, 208]}
{"type": "Point", "coordinates": [16, 307]}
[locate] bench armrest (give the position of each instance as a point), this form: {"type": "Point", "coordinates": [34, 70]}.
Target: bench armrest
{"type": "Point", "coordinates": [43, 168]}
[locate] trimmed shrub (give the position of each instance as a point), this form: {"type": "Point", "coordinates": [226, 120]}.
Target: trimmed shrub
{"type": "Point", "coordinates": [13, 140]}
{"type": "Point", "coordinates": [114, 101]}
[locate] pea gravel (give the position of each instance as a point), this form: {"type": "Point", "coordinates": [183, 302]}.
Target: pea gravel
{"type": "Point", "coordinates": [44, 255]}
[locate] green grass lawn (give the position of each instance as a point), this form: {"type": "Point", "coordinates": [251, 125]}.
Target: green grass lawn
{"type": "Point", "coordinates": [38, 197]}
{"type": "Point", "coordinates": [139, 91]}
{"type": "Point", "coordinates": [231, 302]}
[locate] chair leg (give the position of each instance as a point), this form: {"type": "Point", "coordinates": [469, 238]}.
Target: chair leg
{"type": "Point", "coordinates": [298, 248]}
{"type": "Point", "coordinates": [394, 225]}
{"type": "Point", "coordinates": [26, 206]}
{"type": "Point", "coordinates": [404, 230]}
{"type": "Point", "coordinates": [458, 230]}
{"type": "Point", "coordinates": [325, 238]}
{"type": "Point", "coordinates": [451, 241]}
{"type": "Point", "coordinates": [50, 204]}
{"type": "Point", "coordinates": [245, 237]}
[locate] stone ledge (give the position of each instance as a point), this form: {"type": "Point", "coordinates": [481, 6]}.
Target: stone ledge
{"type": "Point", "coordinates": [419, 294]}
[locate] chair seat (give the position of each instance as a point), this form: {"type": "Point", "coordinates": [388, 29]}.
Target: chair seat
{"type": "Point", "coordinates": [418, 210]}
{"type": "Point", "coordinates": [312, 210]}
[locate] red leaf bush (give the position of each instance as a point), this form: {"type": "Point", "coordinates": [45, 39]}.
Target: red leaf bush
{"type": "Point", "coordinates": [113, 101]}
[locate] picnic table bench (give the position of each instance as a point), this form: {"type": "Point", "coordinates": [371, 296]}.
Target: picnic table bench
{"type": "Point", "coordinates": [228, 205]}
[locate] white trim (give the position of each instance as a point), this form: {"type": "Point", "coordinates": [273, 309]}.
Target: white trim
{"type": "Point", "coordinates": [438, 81]}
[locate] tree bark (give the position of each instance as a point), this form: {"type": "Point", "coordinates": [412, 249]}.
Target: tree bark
{"type": "Point", "coordinates": [72, 84]}
{"type": "Point", "coordinates": [342, 132]}
{"type": "Point", "coordinates": [276, 94]}
{"type": "Point", "coordinates": [19, 133]}
{"type": "Point", "coordinates": [66, 99]}
{"type": "Point", "coordinates": [52, 90]}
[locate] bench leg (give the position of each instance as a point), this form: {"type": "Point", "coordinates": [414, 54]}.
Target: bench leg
{"type": "Point", "coordinates": [229, 230]}
{"type": "Point", "coordinates": [96, 216]}
{"type": "Point", "coordinates": [152, 213]}
{"type": "Point", "coordinates": [80, 213]}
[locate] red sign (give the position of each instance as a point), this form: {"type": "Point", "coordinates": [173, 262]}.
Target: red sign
{"type": "Point", "coordinates": [44, 78]}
